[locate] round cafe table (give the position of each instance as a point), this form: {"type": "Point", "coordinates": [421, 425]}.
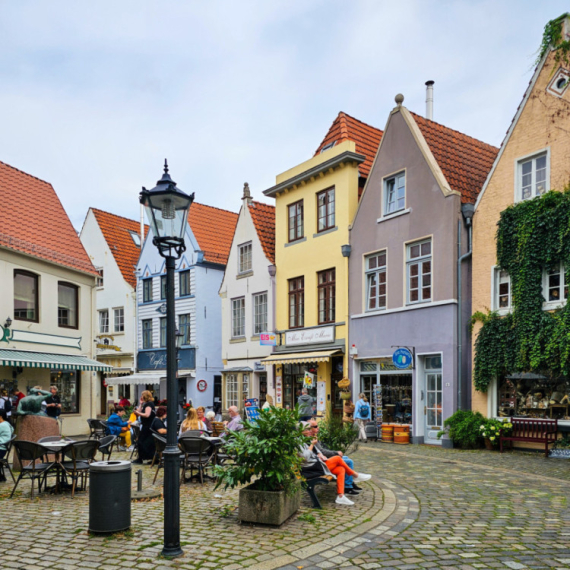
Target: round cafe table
{"type": "Point", "coordinates": [55, 447]}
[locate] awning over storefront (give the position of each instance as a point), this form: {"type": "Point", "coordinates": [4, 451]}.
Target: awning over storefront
{"type": "Point", "coordinates": [135, 380]}
{"type": "Point", "coordinates": [47, 360]}
{"type": "Point", "coordinates": [300, 357]}
{"type": "Point", "coordinates": [237, 369]}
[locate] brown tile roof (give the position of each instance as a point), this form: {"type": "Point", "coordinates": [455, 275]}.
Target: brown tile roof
{"type": "Point", "coordinates": [33, 221]}
{"type": "Point", "coordinates": [366, 138]}
{"type": "Point", "coordinates": [116, 231]}
{"type": "Point", "coordinates": [464, 161]}
{"type": "Point", "coordinates": [263, 216]}
{"type": "Point", "coordinates": [214, 229]}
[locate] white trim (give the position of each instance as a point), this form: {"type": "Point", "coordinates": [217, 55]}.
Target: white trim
{"type": "Point", "coordinates": [401, 309]}
{"type": "Point", "coordinates": [394, 215]}
{"type": "Point", "coordinates": [518, 178]}
{"type": "Point", "coordinates": [495, 281]}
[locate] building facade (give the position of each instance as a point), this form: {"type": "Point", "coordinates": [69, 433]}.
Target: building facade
{"type": "Point", "coordinates": [404, 287]}
{"type": "Point", "coordinates": [248, 305]}
{"type": "Point", "coordinates": [534, 159]}
{"type": "Point", "coordinates": [47, 303]}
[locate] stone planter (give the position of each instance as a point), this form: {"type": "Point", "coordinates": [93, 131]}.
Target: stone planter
{"type": "Point", "coordinates": [267, 507]}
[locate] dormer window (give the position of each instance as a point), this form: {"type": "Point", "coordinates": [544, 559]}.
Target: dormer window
{"type": "Point", "coordinates": [327, 146]}
{"type": "Point", "coordinates": [559, 82]}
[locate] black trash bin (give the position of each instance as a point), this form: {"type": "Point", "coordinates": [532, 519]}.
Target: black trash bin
{"type": "Point", "coordinates": [109, 496]}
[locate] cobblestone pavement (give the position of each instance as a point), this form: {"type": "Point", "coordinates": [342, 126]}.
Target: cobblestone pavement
{"type": "Point", "coordinates": [425, 507]}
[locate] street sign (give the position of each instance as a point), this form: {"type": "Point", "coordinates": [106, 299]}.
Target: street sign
{"type": "Point", "coordinates": [402, 358]}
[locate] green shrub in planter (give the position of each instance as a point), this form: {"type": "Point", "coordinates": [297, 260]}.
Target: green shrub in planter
{"type": "Point", "coordinates": [265, 453]}
{"type": "Point", "coordinates": [463, 427]}
{"type": "Point", "coordinates": [492, 429]}
{"type": "Point", "coordinates": [335, 433]}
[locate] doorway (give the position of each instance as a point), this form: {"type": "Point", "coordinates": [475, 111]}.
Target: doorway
{"type": "Point", "coordinates": [433, 412]}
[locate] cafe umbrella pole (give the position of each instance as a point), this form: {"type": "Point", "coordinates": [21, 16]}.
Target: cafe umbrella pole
{"type": "Point", "coordinates": [167, 210]}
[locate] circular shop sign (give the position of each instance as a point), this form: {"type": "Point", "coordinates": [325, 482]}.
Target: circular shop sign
{"type": "Point", "coordinates": [202, 385]}
{"type": "Point", "coordinates": [402, 358]}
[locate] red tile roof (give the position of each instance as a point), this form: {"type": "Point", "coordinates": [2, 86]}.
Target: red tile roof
{"type": "Point", "coordinates": [464, 161]}
{"type": "Point", "coordinates": [263, 216]}
{"type": "Point", "coordinates": [367, 138]}
{"type": "Point", "coordinates": [214, 229]}
{"type": "Point", "coordinates": [117, 233]}
{"type": "Point", "coordinates": [33, 221]}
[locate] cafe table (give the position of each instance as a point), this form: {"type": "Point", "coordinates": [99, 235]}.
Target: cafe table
{"type": "Point", "coordinates": [56, 448]}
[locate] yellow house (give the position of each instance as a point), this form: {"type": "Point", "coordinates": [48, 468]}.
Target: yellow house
{"type": "Point", "coordinates": [534, 158]}
{"type": "Point", "coordinates": [315, 204]}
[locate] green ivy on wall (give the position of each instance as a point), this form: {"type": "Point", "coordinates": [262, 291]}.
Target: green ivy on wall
{"type": "Point", "coordinates": [532, 236]}
{"type": "Point", "coordinates": [552, 37]}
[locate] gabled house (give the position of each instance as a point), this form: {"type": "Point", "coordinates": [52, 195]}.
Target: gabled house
{"type": "Point", "coordinates": [199, 274]}
{"type": "Point", "coordinates": [47, 284]}
{"type": "Point", "coordinates": [315, 203]}
{"type": "Point", "coordinates": [248, 305]}
{"type": "Point", "coordinates": [534, 159]}
{"type": "Point", "coordinates": [404, 284]}
{"type": "Point", "coordinates": [113, 244]}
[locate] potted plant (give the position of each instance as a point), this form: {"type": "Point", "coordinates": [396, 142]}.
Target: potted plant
{"type": "Point", "coordinates": [463, 428]}
{"type": "Point", "coordinates": [491, 430]}
{"type": "Point", "coordinates": [266, 459]}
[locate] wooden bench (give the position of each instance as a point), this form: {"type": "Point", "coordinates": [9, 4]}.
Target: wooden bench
{"type": "Point", "coordinates": [310, 485]}
{"type": "Point", "coordinates": [532, 430]}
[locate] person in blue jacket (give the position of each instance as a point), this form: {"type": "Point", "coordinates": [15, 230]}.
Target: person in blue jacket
{"type": "Point", "coordinates": [117, 426]}
{"type": "Point", "coordinates": [362, 414]}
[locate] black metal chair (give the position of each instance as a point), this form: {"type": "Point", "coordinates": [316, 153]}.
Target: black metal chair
{"type": "Point", "coordinates": [195, 433]}
{"type": "Point", "coordinates": [32, 451]}
{"type": "Point", "coordinates": [106, 446]}
{"type": "Point", "coordinates": [81, 453]}
{"type": "Point", "coordinates": [135, 434]}
{"type": "Point", "coordinates": [4, 460]}
{"type": "Point", "coordinates": [159, 446]}
{"type": "Point", "coordinates": [198, 453]}
{"type": "Point", "coordinates": [97, 430]}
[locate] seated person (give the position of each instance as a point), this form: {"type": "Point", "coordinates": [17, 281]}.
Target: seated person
{"type": "Point", "coordinates": [159, 422]}
{"type": "Point", "coordinates": [350, 488]}
{"type": "Point", "coordinates": [235, 423]}
{"type": "Point", "coordinates": [191, 422]}
{"type": "Point", "coordinates": [317, 465]}
{"type": "Point", "coordinates": [201, 411]}
{"type": "Point", "coordinates": [119, 427]}
{"type": "Point", "coordinates": [124, 402]}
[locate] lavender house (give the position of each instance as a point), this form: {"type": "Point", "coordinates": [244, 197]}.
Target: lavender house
{"type": "Point", "coordinates": [409, 233]}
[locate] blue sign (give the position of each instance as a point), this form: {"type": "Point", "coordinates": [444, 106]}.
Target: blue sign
{"type": "Point", "coordinates": [156, 359]}
{"type": "Point", "coordinates": [402, 358]}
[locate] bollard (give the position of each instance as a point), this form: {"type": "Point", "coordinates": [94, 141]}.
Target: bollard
{"type": "Point", "coordinates": [139, 480]}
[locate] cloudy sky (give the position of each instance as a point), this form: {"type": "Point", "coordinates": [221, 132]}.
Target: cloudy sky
{"type": "Point", "coordinates": [94, 95]}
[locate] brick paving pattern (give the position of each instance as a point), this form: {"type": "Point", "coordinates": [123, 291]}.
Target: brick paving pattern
{"type": "Point", "coordinates": [425, 507]}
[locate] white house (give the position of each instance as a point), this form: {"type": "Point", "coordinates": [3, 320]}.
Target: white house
{"type": "Point", "coordinates": [46, 300]}
{"type": "Point", "coordinates": [113, 244]}
{"type": "Point", "coordinates": [248, 301]}
{"type": "Point", "coordinates": [199, 273]}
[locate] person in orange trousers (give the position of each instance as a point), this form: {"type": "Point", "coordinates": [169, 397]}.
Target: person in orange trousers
{"type": "Point", "coordinates": [340, 469]}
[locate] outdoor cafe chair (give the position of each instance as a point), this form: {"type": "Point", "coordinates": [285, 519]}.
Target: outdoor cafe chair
{"type": "Point", "coordinates": [198, 453]}
{"type": "Point", "coordinates": [4, 460]}
{"type": "Point", "coordinates": [81, 453]}
{"type": "Point", "coordinates": [195, 433]}
{"type": "Point", "coordinates": [218, 428]}
{"type": "Point", "coordinates": [135, 434]}
{"type": "Point", "coordinates": [97, 430]}
{"type": "Point", "coordinates": [32, 451]}
{"type": "Point", "coordinates": [106, 446]}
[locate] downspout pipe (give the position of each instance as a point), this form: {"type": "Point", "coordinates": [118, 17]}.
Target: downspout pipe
{"type": "Point", "coordinates": [467, 211]}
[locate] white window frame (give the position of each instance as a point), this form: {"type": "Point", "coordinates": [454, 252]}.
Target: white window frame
{"type": "Point", "coordinates": [497, 280]}
{"type": "Point", "coordinates": [119, 312]}
{"type": "Point", "coordinates": [561, 74]}
{"type": "Point", "coordinates": [259, 316]}
{"type": "Point", "coordinates": [419, 261]}
{"type": "Point", "coordinates": [546, 289]}
{"type": "Point", "coordinates": [376, 272]}
{"type": "Point", "coordinates": [185, 328]}
{"type": "Point", "coordinates": [231, 390]}
{"type": "Point", "coordinates": [395, 178]}
{"type": "Point", "coordinates": [518, 173]}
{"type": "Point", "coordinates": [245, 387]}
{"type": "Point", "coordinates": [238, 312]}
{"type": "Point", "coordinates": [104, 321]}
{"type": "Point", "coordinates": [245, 253]}
{"type": "Point", "coordinates": [100, 277]}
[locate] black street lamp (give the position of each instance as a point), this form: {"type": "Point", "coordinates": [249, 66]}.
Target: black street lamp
{"type": "Point", "coordinates": [167, 211]}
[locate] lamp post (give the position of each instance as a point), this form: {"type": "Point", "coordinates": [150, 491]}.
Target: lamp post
{"type": "Point", "coordinates": [167, 211]}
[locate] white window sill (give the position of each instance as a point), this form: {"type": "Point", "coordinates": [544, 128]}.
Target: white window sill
{"type": "Point", "coordinates": [394, 215]}
{"type": "Point", "coordinates": [552, 305]}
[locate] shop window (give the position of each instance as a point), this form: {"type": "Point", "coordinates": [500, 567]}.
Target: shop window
{"type": "Point", "coordinates": [396, 397]}
{"type": "Point", "coordinates": [501, 290]}
{"type": "Point", "coordinates": [555, 289]}
{"type": "Point", "coordinates": [530, 395]}
{"type": "Point", "coordinates": [231, 390]}
{"type": "Point", "coordinates": [147, 290]}
{"type": "Point", "coordinates": [368, 366]}
{"type": "Point", "coordinates": [325, 210]}
{"type": "Point", "coordinates": [244, 258]}
{"type": "Point", "coordinates": [293, 377]}
{"type": "Point", "coordinates": [376, 281]}
{"type": "Point", "coordinates": [259, 313]}
{"type": "Point", "coordinates": [296, 302]}
{"type": "Point", "coordinates": [327, 289]}
{"type": "Point", "coordinates": [67, 305]}
{"type": "Point", "coordinates": [245, 387]}
{"type": "Point", "coordinates": [184, 283]}
{"type": "Point", "coordinates": [68, 389]}
{"type": "Point", "coordinates": [238, 317]}
{"type": "Point", "coordinates": [104, 321]}
{"type": "Point", "coordinates": [532, 176]}
{"type": "Point", "coordinates": [163, 287]}
{"type": "Point", "coordinates": [26, 307]}
{"type": "Point", "coordinates": [262, 389]}
{"type": "Point", "coordinates": [184, 328]}
{"type": "Point", "coordinates": [147, 333]}
{"type": "Point", "coordinates": [419, 272]}
{"type": "Point", "coordinates": [395, 194]}
{"type": "Point", "coordinates": [119, 318]}
{"type": "Point", "coordinates": [295, 213]}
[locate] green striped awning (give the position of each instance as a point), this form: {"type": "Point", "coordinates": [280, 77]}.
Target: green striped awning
{"type": "Point", "coordinates": [47, 360]}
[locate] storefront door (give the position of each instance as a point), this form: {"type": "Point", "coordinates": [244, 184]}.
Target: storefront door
{"type": "Point", "coordinates": [433, 403]}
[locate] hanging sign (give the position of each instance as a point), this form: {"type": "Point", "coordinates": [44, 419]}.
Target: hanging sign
{"type": "Point", "coordinates": [278, 391]}
{"type": "Point", "coordinates": [402, 358]}
{"type": "Point", "coordinates": [268, 339]}
{"type": "Point", "coordinates": [321, 396]}
{"type": "Point", "coordinates": [309, 380]}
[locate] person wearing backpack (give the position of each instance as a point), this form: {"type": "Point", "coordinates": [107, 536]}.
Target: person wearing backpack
{"type": "Point", "coordinates": [362, 414]}
{"type": "Point", "coordinates": [5, 403]}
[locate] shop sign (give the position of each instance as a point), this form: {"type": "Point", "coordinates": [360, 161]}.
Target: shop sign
{"type": "Point", "coordinates": [402, 358]}
{"type": "Point", "coordinates": [156, 359]}
{"type": "Point", "coordinates": [258, 367]}
{"type": "Point", "coordinates": [278, 391]}
{"type": "Point", "coordinates": [104, 342]}
{"type": "Point", "coordinates": [309, 336]}
{"type": "Point", "coordinates": [309, 380]}
{"type": "Point", "coordinates": [268, 339]}
{"type": "Point", "coordinates": [321, 395]}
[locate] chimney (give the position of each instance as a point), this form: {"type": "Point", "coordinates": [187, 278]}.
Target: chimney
{"type": "Point", "coordinates": [246, 194]}
{"type": "Point", "coordinates": [429, 100]}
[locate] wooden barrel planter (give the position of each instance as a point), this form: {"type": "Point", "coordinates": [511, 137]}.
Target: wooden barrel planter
{"type": "Point", "coordinates": [388, 433]}
{"type": "Point", "coordinates": [401, 437]}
